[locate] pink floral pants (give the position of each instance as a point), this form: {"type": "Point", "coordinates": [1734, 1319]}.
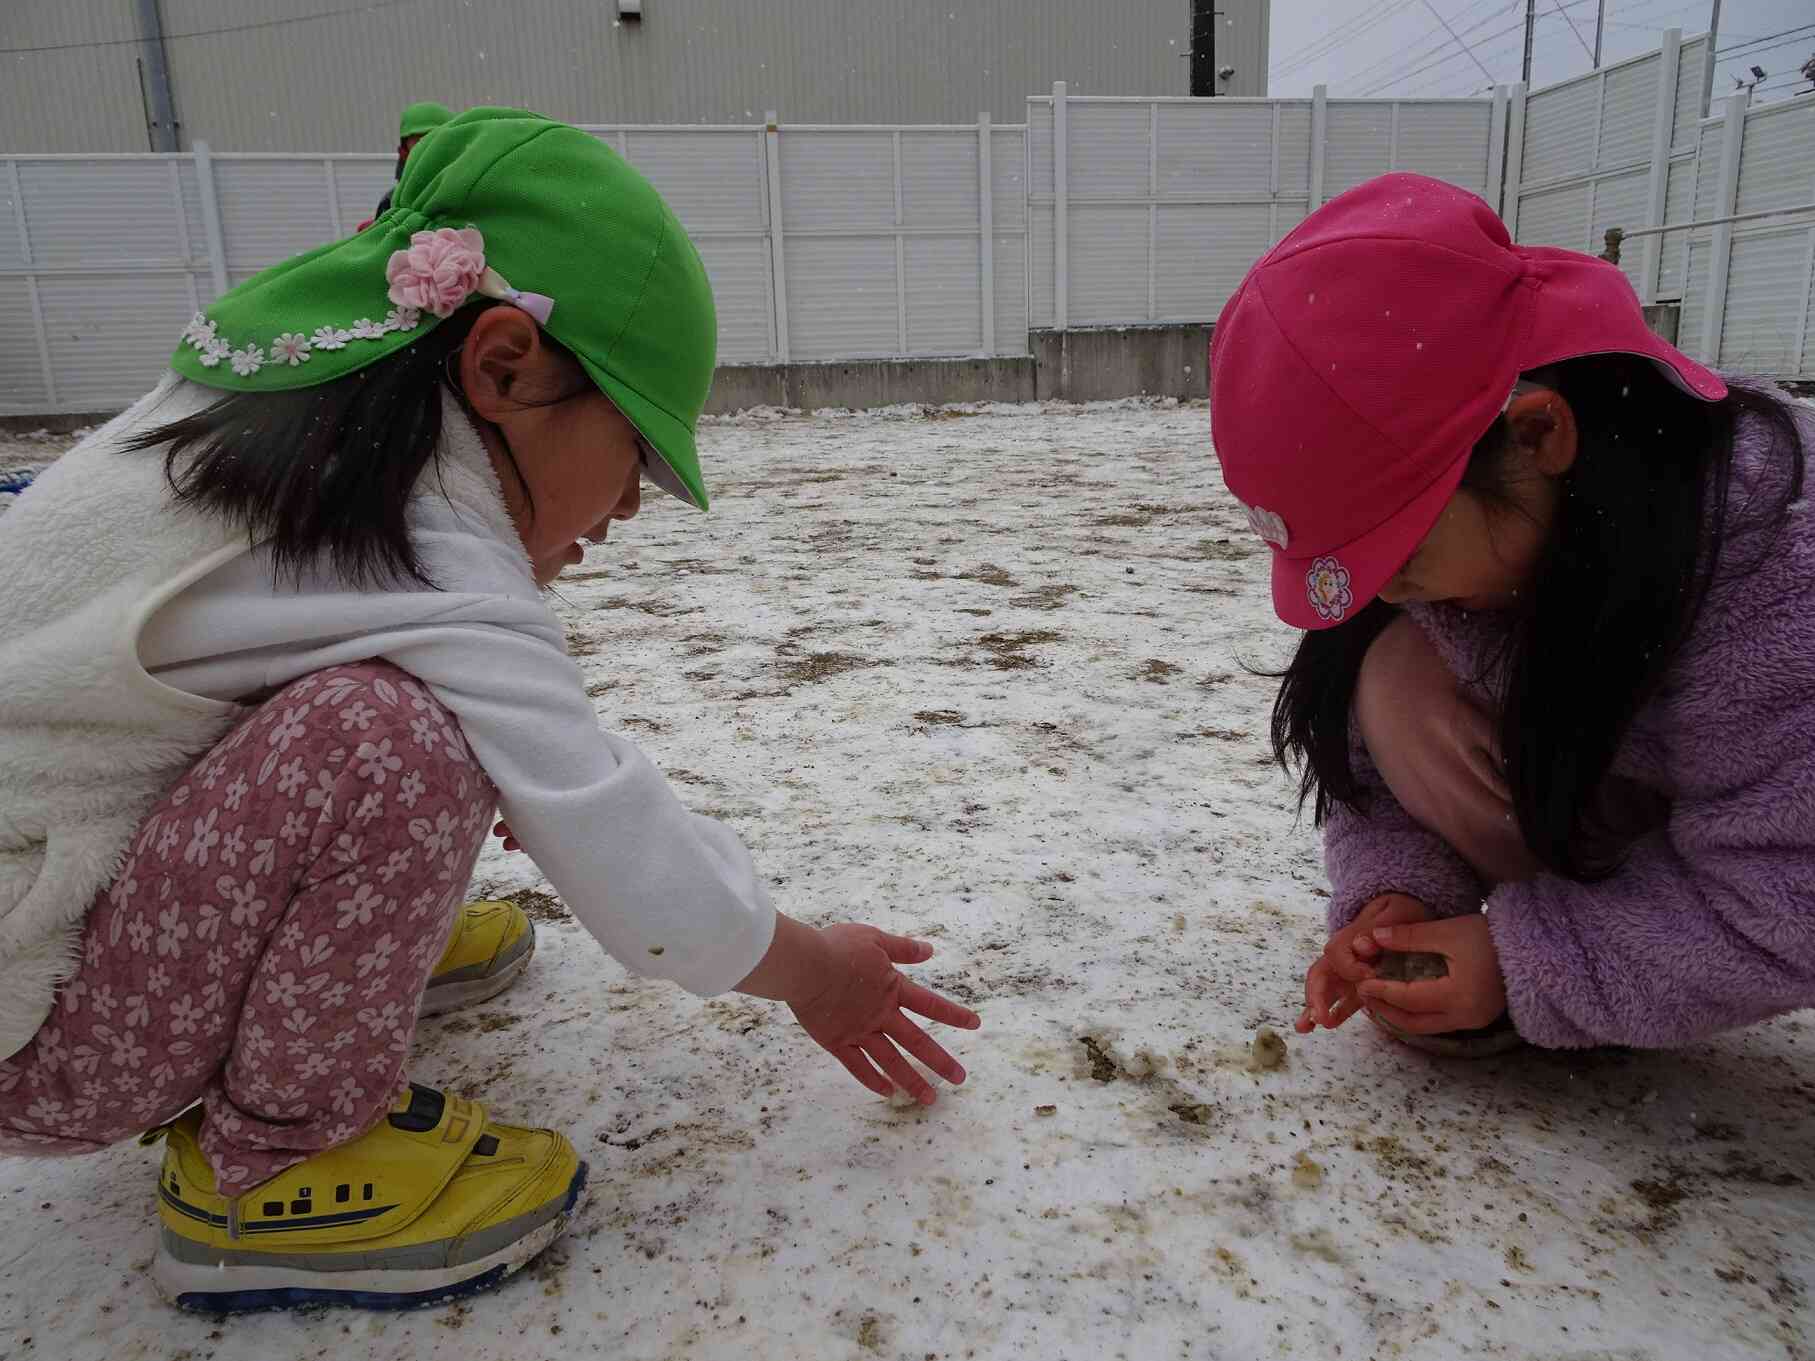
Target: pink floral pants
{"type": "Point", "coordinates": [265, 947]}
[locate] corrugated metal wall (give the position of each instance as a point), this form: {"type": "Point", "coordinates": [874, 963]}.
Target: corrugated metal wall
{"type": "Point", "coordinates": [276, 75]}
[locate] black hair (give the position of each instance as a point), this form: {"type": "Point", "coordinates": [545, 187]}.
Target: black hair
{"type": "Point", "coordinates": [322, 475]}
{"type": "Point", "coordinates": [1643, 519]}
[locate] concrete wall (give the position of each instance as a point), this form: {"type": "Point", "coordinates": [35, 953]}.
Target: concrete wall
{"type": "Point", "coordinates": [1068, 366]}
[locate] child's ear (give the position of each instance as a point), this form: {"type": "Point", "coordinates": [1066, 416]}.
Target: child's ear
{"type": "Point", "coordinates": [495, 360]}
{"type": "Point", "coordinates": [1545, 427]}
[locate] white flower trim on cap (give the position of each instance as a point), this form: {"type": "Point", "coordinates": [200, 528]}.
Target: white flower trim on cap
{"type": "Point", "coordinates": [1327, 588]}
{"type": "Point", "coordinates": [1269, 525]}
{"type": "Point", "coordinates": [292, 347]}
{"type": "Point", "coordinates": [437, 273]}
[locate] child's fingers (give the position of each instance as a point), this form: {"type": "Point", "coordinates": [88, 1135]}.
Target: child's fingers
{"type": "Point", "coordinates": [1346, 1006]}
{"type": "Point", "coordinates": [905, 1076]}
{"type": "Point", "coordinates": [1343, 961]}
{"type": "Point", "coordinates": [925, 1002]}
{"type": "Point", "coordinates": [1413, 1022]}
{"type": "Point", "coordinates": [1305, 1023]}
{"type": "Point", "coordinates": [1364, 946]}
{"type": "Point", "coordinates": [904, 949]}
{"type": "Point", "coordinates": [1438, 937]}
{"type": "Point", "coordinates": [1426, 997]}
{"type": "Point", "coordinates": [1322, 989]}
{"type": "Point", "coordinates": [858, 1065]}
{"type": "Point", "coordinates": [925, 1048]}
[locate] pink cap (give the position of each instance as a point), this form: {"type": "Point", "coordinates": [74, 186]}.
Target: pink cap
{"type": "Point", "coordinates": [1363, 356]}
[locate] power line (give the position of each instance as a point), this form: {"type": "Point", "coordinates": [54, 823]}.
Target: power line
{"type": "Point", "coordinates": [1419, 70]}
{"type": "Point", "coordinates": [211, 32]}
{"type": "Point", "coordinates": [1336, 37]}
{"type": "Point", "coordinates": [1788, 33]}
{"type": "Point", "coordinates": [1459, 43]}
{"type": "Point", "coordinates": [1409, 53]}
{"type": "Point", "coordinates": [1572, 28]}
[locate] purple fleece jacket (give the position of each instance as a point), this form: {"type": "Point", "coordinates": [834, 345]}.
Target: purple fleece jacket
{"type": "Point", "coordinates": [1710, 921]}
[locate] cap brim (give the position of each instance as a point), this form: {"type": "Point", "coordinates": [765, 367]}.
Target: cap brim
{"type": "Point", "coordinates": [1575, 317]}
{"type": "Point", "coordinates": [1322, 590]}
{"type": "Point", "coordinates": [676, 467]}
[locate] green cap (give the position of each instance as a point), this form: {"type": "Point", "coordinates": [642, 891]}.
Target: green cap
{"type": "Point", "coordinates": [506, 204]}
{"type": "Point", "coordinates": [423, 117]}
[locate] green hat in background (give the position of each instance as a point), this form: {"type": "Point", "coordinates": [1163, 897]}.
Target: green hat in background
{"type": "Point", "coordinates": [505, 204]}
{"type": "Point", "coordinates": [423, 117]}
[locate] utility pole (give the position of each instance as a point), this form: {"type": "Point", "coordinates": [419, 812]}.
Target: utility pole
{"type": "Point", "coordinates": [1708, 65]}
{"type": "Point", "coordinates": [1203, 47]}
{"type": "Point", "coordinates": [1600, 22]}
{"type": "Point", "coordinates": [1531, 20]}
{"type": "Point", "coordinates": [161, 116]}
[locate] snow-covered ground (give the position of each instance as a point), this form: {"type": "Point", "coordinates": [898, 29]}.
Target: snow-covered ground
{"type": "Point", "coordinates": [980, 677]}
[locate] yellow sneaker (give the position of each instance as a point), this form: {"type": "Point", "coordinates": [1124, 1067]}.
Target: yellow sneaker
{"type": "Point", "coordinates": [488, 951]}
{"type": "Point", "coordinates": [433, 1203]}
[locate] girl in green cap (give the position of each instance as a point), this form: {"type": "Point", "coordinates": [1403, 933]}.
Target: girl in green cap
{"type": "Point", "coordinates": [418, 121]}
{"type": "Point", "coordinates": [252, 734]}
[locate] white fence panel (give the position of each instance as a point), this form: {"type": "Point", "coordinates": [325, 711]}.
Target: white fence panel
{"type": "Point", "coordinates": [1615, 148]}
{"type": "Point", "coordinates": [103, 259]}
{"type": "Point", "coordinates": [1167, 202]}
{"type": "Point", "coordinates": [827, 243]}
{"type": "Point", "coordinates": [1758, 315]}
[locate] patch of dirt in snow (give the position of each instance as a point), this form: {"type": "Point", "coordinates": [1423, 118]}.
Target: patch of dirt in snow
{"type": "Point", "coordinates": [1020, 725]}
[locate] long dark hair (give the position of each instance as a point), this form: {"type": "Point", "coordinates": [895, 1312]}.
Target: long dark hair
{"type": "Point", "coordinates": [1641, 527]}
{"type": "Point", "coordinates": [322, 475]}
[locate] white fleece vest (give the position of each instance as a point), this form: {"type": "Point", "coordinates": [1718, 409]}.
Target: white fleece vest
{"type": "Point", "coordinates": [88, 740]}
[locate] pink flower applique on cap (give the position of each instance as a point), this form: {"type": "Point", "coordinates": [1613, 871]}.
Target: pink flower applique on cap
{"type": "Point", "coordinates": [439, 271]}
{"type": "Point", "coordinates": [443, 268]}
{"type": "Point", "coordinates": [1327, 588]}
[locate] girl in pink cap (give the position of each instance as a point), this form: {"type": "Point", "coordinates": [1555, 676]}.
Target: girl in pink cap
{"type": "Point", "coordinates": [1554, 705]}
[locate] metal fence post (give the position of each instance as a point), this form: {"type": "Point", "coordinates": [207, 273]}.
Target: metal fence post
{"type": "Point", "coordinates": [211, 216]}
{"type": "Point", "coordinates": [986, 234]}
{"type": "Point", "coordinates": [1496, 150]}
{"type": "Point", "coordinates": [1061, 245]}
{"type": "Point", "coordinates": [1515, 160]}
{"type": "Point", "coordinates": [1663, 135]}
{"type": "Point", "coordinates": [1320, 137]}
{"type": "Point", "coordinates": [1153, 211]}
{"type": "Point", "coordinates": [31, 285]}
{"type": "Point", "coordinates": [778, 272]}
{"type": "Point", "coordinates": [327, 171]}
{"type": "Point", "coordinates": [901, 327]}
{"type": "Point", "coordinates": [1714, 310]}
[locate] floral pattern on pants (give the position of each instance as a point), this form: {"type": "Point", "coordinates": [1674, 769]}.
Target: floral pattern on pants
{"type": "Point", "coordinates": [266, 943]}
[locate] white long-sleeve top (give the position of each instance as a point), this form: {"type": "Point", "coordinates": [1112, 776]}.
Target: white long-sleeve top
{"type": "Point", "coordinates": [668, 893]}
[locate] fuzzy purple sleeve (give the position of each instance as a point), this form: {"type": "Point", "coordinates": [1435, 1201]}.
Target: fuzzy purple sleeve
{"type": "Point", "coordinates": [1382, 850]}
{"type": "Point", "coordinates": [1710, 922]}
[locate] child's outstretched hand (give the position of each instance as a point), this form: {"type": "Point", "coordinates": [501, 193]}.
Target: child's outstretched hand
{"type": "Point", "coordinates": [1330, 983]}
{"type": "Point", "coordinates": [842, 986]}
{"type": "Point", "coordinates": [1471, 995]}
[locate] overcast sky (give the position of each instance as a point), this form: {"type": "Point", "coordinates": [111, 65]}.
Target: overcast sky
{"type": "Point", "coordinates": [1400, 47]}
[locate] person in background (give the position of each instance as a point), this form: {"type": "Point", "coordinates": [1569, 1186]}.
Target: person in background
{"type": "Point", "coordinates": [417, 122]}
